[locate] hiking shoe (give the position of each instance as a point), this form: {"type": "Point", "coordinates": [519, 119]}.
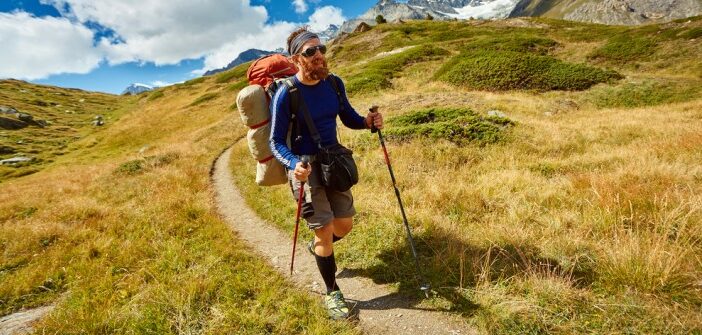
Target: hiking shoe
{"type": "Point", "coordinates": [310, 247]}
{"type": "Point", "coordinates": [336, 305]}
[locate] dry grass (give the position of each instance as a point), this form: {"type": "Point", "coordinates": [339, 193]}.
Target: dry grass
{"type": "Point", "coordinates": [142, 250]}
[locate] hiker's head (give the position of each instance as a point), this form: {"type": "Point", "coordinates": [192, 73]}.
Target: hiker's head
{"type": "Point", "coordinates": [307, 52]}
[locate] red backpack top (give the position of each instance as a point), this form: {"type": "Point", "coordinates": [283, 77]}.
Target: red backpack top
{"type": "Point", "coordinates": [265, 70]}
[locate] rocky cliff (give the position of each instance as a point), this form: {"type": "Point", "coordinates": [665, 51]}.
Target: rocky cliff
{"type": "Point", "coordinates": [619, 12]}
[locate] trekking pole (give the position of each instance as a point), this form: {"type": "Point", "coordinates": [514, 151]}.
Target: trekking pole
{"type": "Point", "coordinates": [305, 161]}
{"type": "Point", "coordinates": [424, 285]}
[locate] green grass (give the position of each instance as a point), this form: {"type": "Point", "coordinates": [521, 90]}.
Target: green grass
{"type": "Point", "coordinates": [457, 125]}
{"type": "Point", "coordinates": [508, 70]}
{"type": "Point", "coordinates": [646, 93]}
{"type": "Point", "coordinates": [204, 98]}
{"type": "Point", "coordinates": [512, 42]}
{"type": "Point", "coordinates": [376, 75]}
{"type": "Point", "coordinates": [195, 81]}
{"type": "Point", "coordinates": [155, 95]}
{"type": "Point", "coordinates": [236, 73]}
{"type": "Point", "coordinates": [625, 48]}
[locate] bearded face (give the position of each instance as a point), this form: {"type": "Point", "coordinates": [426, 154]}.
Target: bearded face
{"type": "Point", "coordinates": [315, 66]}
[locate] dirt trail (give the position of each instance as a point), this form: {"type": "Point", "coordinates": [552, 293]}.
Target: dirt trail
{"type": "Point", "coordinates": [21, 322]}
{"type": "Point", "coordinates": [378, 310]}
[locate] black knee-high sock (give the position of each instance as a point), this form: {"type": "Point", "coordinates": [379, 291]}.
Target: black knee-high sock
{"type": "Point", "coordinates": [327, 268]}
{"type": "Point", "coordinates": [336, 238]}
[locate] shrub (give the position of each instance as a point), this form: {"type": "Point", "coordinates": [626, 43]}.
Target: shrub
{"type": "Point", "coordinates": [194, 81]}
{"type": "Point", "coordinates": [155, 95]}
{"type": "Point", "coordinates": [693, 33]}
{"type": "Point", "coordinates": [204, 98]}
{"type": "Point", "coordinates": [624, 49]}
{"type": "Point", "coordinates": [518, 43]}
{"type": "Point", "coordinates": [648, 93]}
{"type": "Point", "coordinates": [376, 74]}
{"type": "Point", "coordinates": [380, 19]}
{"type": "Point", "coordinates": [459, 126]}
{"type": "Point", "coordinates": [237, 72]}
{"type": "Point", "coordinates": [508, 70]}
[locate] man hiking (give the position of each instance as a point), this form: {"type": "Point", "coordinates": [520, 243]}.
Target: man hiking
{"type": "Point", "coordinates": [329, 213]}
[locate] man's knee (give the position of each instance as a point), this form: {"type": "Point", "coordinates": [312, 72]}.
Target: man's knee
{"type": "Point", "coordinates": [342, 226]}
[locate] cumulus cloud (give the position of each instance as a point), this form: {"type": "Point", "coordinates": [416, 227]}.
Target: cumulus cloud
{"type": "Point", "coordinates": [34, 48]}
{"type": "Point", "coordinates": [300, 6]}
{"type": "Point", "coordinates": [324, 16]}
{"type": "Point", "coordinates": [161, 32]}
{"type": "Point", "coordinates": [165, 32]}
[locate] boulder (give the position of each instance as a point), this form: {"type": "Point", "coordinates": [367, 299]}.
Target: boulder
{"type": "Point", "coordinates": [362, 27]}
{"type": "Point", "coordinates": [11, 124]}
{"type": "Point", "coordinates": [7, 110]}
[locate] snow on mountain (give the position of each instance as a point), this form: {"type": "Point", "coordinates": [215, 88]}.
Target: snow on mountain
{"type": "Point", "coordinates": [137, 88]}
{"type": "Point", "coordinates": [486, 9]}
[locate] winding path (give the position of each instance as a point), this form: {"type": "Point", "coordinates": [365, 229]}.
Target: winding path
{"type": "Point", "coordinates": [377, 309]}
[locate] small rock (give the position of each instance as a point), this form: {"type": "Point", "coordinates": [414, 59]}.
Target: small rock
{"type": "Point", "coordinates": [496, 113]}
{"type": "Point", "coordinates": [15, 160]}
{"type": "Point", "coordinates": [8, 110]}
{"type": "Point", "coordinates": [25, 117]}
{"type": "Point", "coordinates": [143, 149]}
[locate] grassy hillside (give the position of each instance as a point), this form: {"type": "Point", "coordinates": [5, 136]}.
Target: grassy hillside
{"type": "Point", "coordinates": [569, 208]}
{"type": "Point", "coordinates": [581, 214]}
{"type": "Point", "coordinates": [121, 233]}
{"type": "Point", "coordinates": [68, 114]}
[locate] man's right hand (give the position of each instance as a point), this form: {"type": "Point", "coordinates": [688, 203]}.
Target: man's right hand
{"type": "Point", "coordinates": [302, 173]}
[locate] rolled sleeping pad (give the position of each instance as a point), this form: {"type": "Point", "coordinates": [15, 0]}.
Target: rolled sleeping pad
{"type": "Point", "coordinates": [253, 109]}
{"type": "Point", "coordinates": [253, 105]}
{"type": "Point", "coordinates": [258, 142]}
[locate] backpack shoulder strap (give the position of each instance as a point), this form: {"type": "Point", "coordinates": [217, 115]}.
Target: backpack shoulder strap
{"type": "Point", "coordinates": [335, 83]}
{"type": "Point", "coordinates": [293, 132]}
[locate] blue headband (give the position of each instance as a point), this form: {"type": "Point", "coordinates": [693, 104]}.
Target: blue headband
{"type": "Point", "coordinates": [300, 40]}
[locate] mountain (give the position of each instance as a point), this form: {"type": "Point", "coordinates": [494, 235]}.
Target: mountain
{"type": "Point", "coordinates": [439, 9]}
{"type": "Point", "coordinates": [243, 57]}
{"type": "Point", "coordinates": [613, 12]}
{"type": "Point", "coordinates": [330, 33]}
{"type": "Point", "coordinates": [619, 12]}
{"type": "Point", "coordinates": [137, 88]}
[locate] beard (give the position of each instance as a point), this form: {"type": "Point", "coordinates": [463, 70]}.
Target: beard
{"type": "Point", "coordinates": [315, 68]}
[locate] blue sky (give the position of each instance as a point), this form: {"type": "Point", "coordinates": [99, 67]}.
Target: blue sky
{"type": "Point", "coordinates": [105, 45]}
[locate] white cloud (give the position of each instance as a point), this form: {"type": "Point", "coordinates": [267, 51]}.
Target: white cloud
{"type": "Point", "coordinates": [162, 32]}
{"type": "Point", "coordinates": [34, 48]}
{"type": "Point", "coordinates": [300, 6]}
{"type": "Point", "coordinates": [324, 16]}
{"type": "Point", "coordinates": [166, 32]}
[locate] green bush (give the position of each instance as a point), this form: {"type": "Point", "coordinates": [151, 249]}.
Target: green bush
{"type": "Point", "coordinates": [204, 98]}
{"type": "Point", "coordinates": [508, 70]}
{"type": "Point", "coordinates": [194, 81]}
{"type": "Point", "coordinates": [518, 42]}
{"type": "Point", "coordinates": [693, 33]}
{"type": "Point", "coordinates": [624, 49]}
{"type": "Point", "coordinates": [648, 93]}
{"type": "Point", "coordinates": [376, 74]}
{"type": "Point", "coordinates": [457, 125]}
{"type": "Point", "coordinates": [237, 72]}
{"type": "Point", "coordinates": [155, 95]}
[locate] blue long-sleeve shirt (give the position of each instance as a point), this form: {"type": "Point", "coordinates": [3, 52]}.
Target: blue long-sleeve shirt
{"type": "Point", "coordinates": [323, 105]}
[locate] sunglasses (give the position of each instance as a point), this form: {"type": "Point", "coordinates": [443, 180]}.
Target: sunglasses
{"type": "Point", "coordinates": [309, 52]}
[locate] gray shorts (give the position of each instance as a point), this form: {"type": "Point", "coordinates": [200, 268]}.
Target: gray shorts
{"type": "Point", "coordinates": [321, 204]}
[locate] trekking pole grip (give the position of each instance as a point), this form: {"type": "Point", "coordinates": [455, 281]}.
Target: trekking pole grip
{"type": "Point", "coordinates": [373, 109]}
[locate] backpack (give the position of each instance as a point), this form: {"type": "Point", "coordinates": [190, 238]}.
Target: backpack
{"type": "Point", "coordinates": [265, 76]}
